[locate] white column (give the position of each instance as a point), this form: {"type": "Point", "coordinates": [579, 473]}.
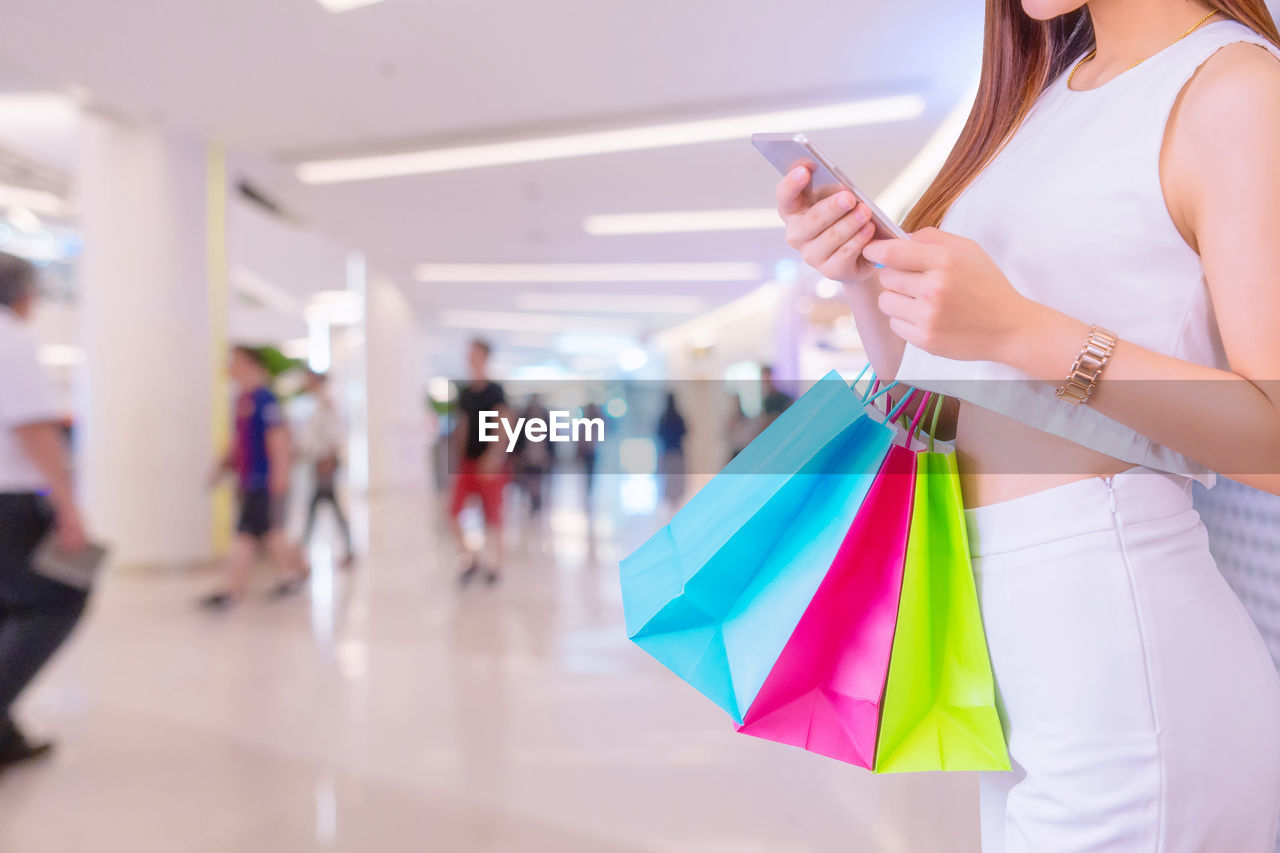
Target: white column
{"type": "Point", "coordinates": [397, 390]}
{"type": "Point", "coordinates": [148, 328]}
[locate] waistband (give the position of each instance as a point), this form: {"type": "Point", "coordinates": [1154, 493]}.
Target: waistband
{"type": "Point", "coordinates": [1085, 506]}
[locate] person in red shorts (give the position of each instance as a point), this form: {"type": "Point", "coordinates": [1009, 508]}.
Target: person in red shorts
{"type": "Point", "coordinates": [480, 466]}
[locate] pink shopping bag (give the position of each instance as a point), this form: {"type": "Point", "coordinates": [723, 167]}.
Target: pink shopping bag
{"type": "Point", "coordinates": [824, 692]}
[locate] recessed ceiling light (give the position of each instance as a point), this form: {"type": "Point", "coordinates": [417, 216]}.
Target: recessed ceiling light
{"type": "Point", "coordinates": [848, 114]}
{"type": "Point", "coordinates": [587, 273]}
{"type": "Point", "coordinates": [681, 222]}
{"type": "Point", "coordinates": [345, 5]}
{"type": "Point", "coordinates": [610, 303]}
{"type": "Point", "coordinates": [336, 307]}
{"type": "Point", "coordinates": [60, 355]}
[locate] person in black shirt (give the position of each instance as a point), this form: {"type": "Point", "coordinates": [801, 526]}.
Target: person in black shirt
{"type": "Point", "coordinates": [480, 469]}
{"type": "Point", "coordinates": [776, 401]}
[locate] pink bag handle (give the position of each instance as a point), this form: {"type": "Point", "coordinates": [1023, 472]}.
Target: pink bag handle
{"type": "Point", "coordinates": [915, 422]}
{"type": "Point", "coordinates": [902, 404]}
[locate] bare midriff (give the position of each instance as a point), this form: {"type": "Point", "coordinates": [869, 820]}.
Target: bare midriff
{"type": "Point", "coordinates": [1001, 459]}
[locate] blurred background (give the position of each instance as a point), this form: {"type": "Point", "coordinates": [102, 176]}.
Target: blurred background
{"type": "Point", "coordinates": [361, 188]}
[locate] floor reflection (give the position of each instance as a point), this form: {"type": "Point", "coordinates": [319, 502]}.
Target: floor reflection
{"type": "Point", "coordinates": [389, 710]}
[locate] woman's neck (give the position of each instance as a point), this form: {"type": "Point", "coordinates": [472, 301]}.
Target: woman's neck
{"type": "Point", "coordinates": [1129, 31]}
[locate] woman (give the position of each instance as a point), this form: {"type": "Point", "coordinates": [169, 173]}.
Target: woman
{"type": "Point", "coordinates": [1108, 215]}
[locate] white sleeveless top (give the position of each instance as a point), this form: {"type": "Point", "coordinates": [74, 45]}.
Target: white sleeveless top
{"type": "Point", "coordinates": [1072, 211]}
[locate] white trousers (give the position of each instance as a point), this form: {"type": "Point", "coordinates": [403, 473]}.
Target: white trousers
{"type": "Point", "coordinates": [1141, 705]}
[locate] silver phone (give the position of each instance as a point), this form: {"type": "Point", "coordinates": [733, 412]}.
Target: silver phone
{"type": "Point", "coordinates": [788, 150]}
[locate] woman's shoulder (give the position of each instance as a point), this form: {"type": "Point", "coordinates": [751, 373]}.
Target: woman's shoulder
{"type": "Point", "coordinates": [1238, 74]}
{"type": "Point", "coordinates": [1232, 99]}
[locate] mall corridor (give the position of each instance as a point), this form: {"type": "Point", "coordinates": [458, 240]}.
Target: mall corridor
{"type": "Point", "coordinates": [729, 427]}
{"type": "Point", "coordinates": [388, 711]}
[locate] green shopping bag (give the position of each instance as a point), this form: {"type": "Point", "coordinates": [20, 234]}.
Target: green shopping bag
{"type": "Point", "coordinates": [938, 711]}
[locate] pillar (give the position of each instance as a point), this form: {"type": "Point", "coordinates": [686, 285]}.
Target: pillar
{"type": "Point", "coordinates": [151, 315]}
{"type": "Point", "coordinates": [397, 391]}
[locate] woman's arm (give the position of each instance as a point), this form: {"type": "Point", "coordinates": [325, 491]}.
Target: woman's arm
{"type": "Point", "coordinates": [830, 235]}
{"type": "Point", "coordinates": [884, 347]}
{"type": "Point", "coordinates": [1223, 175]}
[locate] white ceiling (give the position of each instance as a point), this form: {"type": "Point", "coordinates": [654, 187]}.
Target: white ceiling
{"type": "Point", "coordinates": [283, 80]}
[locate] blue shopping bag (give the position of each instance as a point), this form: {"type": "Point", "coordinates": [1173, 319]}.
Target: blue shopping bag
{"type": "Point", "coordinates": [715, 595]}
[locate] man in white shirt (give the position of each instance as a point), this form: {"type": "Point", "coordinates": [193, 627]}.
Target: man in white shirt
{"type": "Point", "coordinates": [36, 613]}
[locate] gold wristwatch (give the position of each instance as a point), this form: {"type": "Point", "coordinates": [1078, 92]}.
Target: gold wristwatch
{"type": "Point", "coordinates": [1094, 356]}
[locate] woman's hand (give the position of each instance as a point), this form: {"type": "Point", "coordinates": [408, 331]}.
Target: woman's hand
{"type": "Point", "coordinates": [944, 294]}
{"type": "Point", "coordinates": [831, 234]}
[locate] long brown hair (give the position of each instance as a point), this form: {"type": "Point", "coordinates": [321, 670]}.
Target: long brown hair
{"type": "Point", "coordinates": [1020, 57]}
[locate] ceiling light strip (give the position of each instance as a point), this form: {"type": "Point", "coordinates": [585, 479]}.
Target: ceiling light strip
{"type": "Point", "coordinates": [682, 222]}
{"type": "Point", "coordinates": [587, 273]}
{"type": "Point", "coordinates": [850, 114]}
{"type": "Point", "coordinates": [610, 303]}
{"type": "Point", "coordinates": [337, 6]}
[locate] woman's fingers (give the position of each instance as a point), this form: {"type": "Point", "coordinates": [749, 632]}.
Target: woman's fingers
{"type": "Point", "coordinates": [897, 305]}
{"type": "Point", "coordinates": [909, 255]}
{"type": "Point", "coordinates": [848, 235]}
{"type": "Point", "coordinates": [906, 330]}
{"type": "Point", "coordinates": [909, 284]}
{"type": "Point", "coordinates": [802, 228]}
{"type": "Point", "coordinates": [851, 249]}
{"type": "Point", "coordinates": [790, 192]}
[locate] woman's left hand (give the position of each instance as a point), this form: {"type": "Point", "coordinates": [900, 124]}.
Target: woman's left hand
{"type": "Point", "coordinates": [944, 294]}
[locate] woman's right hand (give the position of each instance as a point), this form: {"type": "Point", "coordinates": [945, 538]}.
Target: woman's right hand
{"type": "Point", "coordinates": [829, 235]}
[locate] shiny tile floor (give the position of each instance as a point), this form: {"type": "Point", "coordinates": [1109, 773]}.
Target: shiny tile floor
{"type": "Point", "coordinates": [389, 711]}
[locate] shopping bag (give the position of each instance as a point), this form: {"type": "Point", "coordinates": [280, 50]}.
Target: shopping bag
{"type": "Point", "coordinates": [939, 710]}
{"type": "Point", "coordinates": [716, 593]}
{"type": "Point", "coordinates": [824, 692]}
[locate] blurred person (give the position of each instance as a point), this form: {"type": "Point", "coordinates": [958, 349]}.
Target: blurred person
{"type": "Point", "coordinates": [323, 441]}
{"type": "Point", "coordinates": [671, 467]}
{"type": "Point", "coordinates": [1094, 276]}
{"type": "Point", "coordinates": [742, 428]}
{"type": "Point", "coordinates": [260, 456]}
{"type": "Point", "coordinates": [37, 614]}
{"type": "Point", "coordinates": [534, 458]}
{"type": "Point", "coordinates": [776, 401]}
{"type": "Point", "coordinates": [481, 465]}
{"type": "Point", "coordinates": [586, 452]}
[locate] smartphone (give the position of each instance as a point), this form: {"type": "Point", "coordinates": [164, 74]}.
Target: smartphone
{"type": "Point", "coordinates": [788, 150]}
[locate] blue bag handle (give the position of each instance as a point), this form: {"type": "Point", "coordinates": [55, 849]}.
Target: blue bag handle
{"type": "Point", "coordinates": [902, 404]}
{"type": "Point", "coordinates": [873, 392]}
